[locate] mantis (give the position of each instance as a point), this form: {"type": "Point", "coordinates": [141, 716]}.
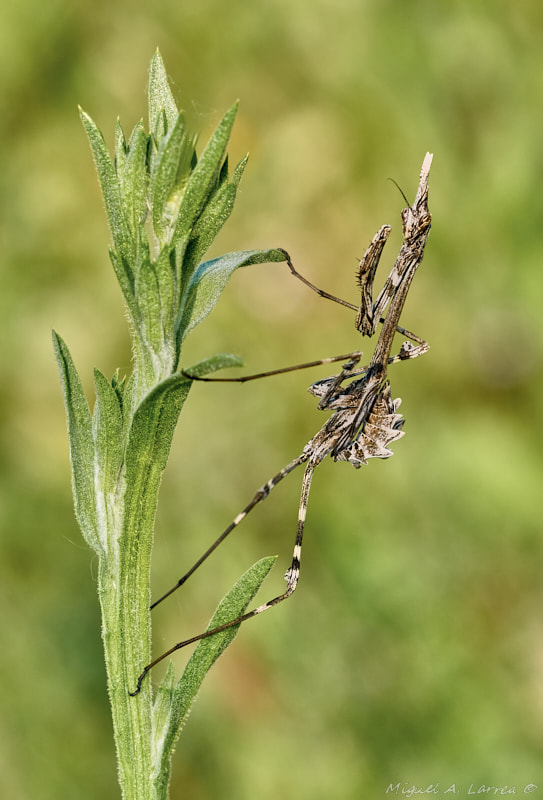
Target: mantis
{"type": "Point", "coordinates": [365, 418]}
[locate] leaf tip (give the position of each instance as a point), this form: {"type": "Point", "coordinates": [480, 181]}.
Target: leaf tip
{"type": "Point", "coordinates": [57, 340]}
{"type": "Point", "coordinates": [83, 114]}
{"type": "Point", "coordinates": [233, 110]}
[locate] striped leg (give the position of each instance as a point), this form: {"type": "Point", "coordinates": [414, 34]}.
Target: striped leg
{"type": "Point", "coordinates": [368, 314]}
{"type": "Point", "coordinates": [256, 376]}
{"type": "Point", "coordinates": [260, 495]}
{"type": "Point", "coordinates": [291, 575]}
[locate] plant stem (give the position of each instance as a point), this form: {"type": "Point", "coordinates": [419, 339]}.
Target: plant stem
{"type": "Point", "coordinates": [126, 635]}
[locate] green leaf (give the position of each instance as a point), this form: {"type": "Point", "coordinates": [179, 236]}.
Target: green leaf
{"type": "Point", "coordinates": [170, 172]}
{"type": "Point", "coordinates": [160, 714]}
{"type": "Point", "coordinates": [154, 424]}
{"type": "Point", "coordinates": [133, 182]}
{"type": "Point", "coordinates": [161, 99]}
{"type": "Point", "coordinates": [208, 281]}
{"type": "Point", "coordinates": [111, 191]}
{"type": "Point", "coordinates": [107, 425]}
{"type": "Point", "coordinates": [81, 443]}
{"type": "Point", "coordinates": [211, 220]}
{"type": "Point", "coordinates": [149, 442]}
{"type": "Point", "coordinates": [233, 605]}
{"type": "Point", "coordinates": [165, 275]}
{"type": "Point", "coordinates": [125, 276]}
{"type": "Point", "coordinates": [238, 172]}
{"type": "Point", "coordinates": [212, 364]}
{"type": "Point", "coordinates": [121, 148]}
{"type": "Point", "coordinates": [148, 299]}
{"type": "Point", "coordinates": [204, 177]}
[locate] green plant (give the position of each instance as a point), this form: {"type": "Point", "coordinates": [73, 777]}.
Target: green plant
{"type": "Point", "coordinates": [165, 206]}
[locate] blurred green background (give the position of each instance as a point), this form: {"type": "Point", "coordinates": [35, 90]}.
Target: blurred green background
{"type": "Point", "coordinates": [412, 652]}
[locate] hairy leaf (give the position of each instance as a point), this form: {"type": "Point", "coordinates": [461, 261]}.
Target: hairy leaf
{"type": "Point", "coordinates": [134, 180]}
{"type": "Point", "coordinates": [149, 442]}
{"type": "Point", "coordinates": [160, 96]}
{"type": "Point", "coordinates": [211, 220]}
{"type": "Point", "coordinates": [216, 362]}
{"type": "Point", "coordinates": [233, 605]}
{"type": "Point", "coordinates": [170, 169]}
{"type": "Point", "coordinates": [203, 177]}
{"type": "Point", "coordinates": [109, 183]}
{"type": "Point", "coordinates": [81, 442]}
{"type": "Point", "coordinates": [208, 281]}
{"type": "Point", "coordinates": [107, 426]}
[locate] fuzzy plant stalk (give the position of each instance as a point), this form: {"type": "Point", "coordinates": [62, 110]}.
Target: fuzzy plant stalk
{"type": "Point", "coordinates": [165, 205]}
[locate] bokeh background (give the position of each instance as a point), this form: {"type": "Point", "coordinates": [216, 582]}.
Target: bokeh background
{"type": "Point", "coordinates": [412, 653]}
